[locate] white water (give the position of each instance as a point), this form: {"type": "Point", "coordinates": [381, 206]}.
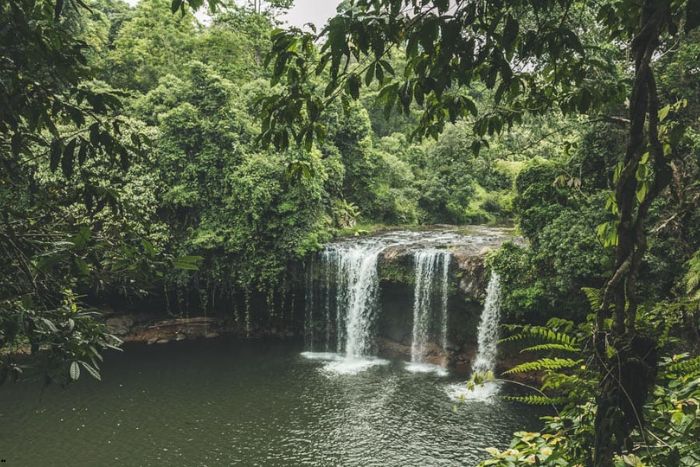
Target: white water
{"type": "Point", "coordinates": [342, 297]}
{"type": "Point", "coordinates": [353, 269]}
{"type": "Point", "coordinates": [309, 304]}
{"type": "Point", "coordinates": [427, 264]}
{"type": "Point", "coordinates": [488, 328]}
{"type": "Point", "coordinates": [443, 303]}
{"type": "Point", "coordinates": [360, 285]}
{"type": "Point", "coordinates": [485, 360]}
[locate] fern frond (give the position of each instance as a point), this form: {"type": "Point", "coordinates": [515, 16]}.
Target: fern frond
{"type": "Point", "coordinates": [544, 364]}
{"type": "Point", "coordinates": [536, 400]}
{"type": "Point", "coordinates": [684, 366]}
{"type": "Point", "coordinates": [542, 334]}
{"type": "Point", "coordinates": [560, 324]}
{"type": "Point", "coordinates": [562, 383]}
{"type": "Point", "coordinates": [562, 347]}
{"type": "Point", "coordinates": [594, 297]}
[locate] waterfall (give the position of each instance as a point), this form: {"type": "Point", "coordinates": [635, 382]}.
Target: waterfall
{"type": "Point", "coordinates": [427, 262]}
{"type": "Point", "coordinates": [348, 283]}
{"type": "Point", "coordinates": [309, 302]}
{"type": "Point", "coordinates": [422, 301]}
{"type": "Point", "coordinates": [360, 285]}
{"type": "Point", "coordinates": [485, 360]}
{"type": "Point", "coordinates": [328, 270]}
{"type": "Point", "coordinates": [349, 270]}
{"type": "Point", "coordinates": [443, 303]}
{"type": "Point", "coordinates": [488, 327]}
{"type": "Point", "coordinates": [342, 299]}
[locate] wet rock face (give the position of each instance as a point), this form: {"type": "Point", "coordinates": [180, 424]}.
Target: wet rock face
{"type": "Point", "coordinates": [473, 276]}
{"type": "Point", "coordinates": [467, 281]}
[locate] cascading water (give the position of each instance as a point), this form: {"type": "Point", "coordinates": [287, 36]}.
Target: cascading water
{"type": "Point", "coordinates": [427, 264]}
{"type": "Point", "coordinates": [487, 337]}
{"type": "Point", "coordinates": [360, 284]}
{"type": "Point", "coordinates": [443, 303]}
{"type": "Point", "coordinates": [488, 328]}
{"type": "Point", "coordinates": [353, 268]}
{"type": "Point", "coordinates": [309, 302]}
{"type": "Point", "coordinates": [342, 295]}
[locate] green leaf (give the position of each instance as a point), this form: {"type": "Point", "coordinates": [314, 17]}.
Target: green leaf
{"type": "Point", "coordinates": [175, 5]}
{"type": "Point", "coordinates": [544, 364]}
{"type": "Point", "coordinates": [94, 372]}
{"type": "Point", "coordinates": [54, 154]}
{"type": "Point", "coordinates": [74, 371]}
{"type": "Point", "coordinates": [642, 191]}
{"type": "Point", "coordinates": [188, 263]}
{"type": "Point", "coordinates": [353, 86]}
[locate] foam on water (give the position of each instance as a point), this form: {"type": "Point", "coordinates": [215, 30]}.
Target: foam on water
{"type": "Point", "coordinates": [353, 365]}
{"type": "Point", "coordinates": [414, 367]}
{"type": "Point", "coordinates": [322, 356]}
{"type": "Point", "coordinates": [340, 364]}
{"type": "Point", "coordinates": [485, 392]}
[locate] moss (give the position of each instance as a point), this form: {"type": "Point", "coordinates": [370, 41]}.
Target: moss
{"type": "Point", "coordinates": [397, 270]}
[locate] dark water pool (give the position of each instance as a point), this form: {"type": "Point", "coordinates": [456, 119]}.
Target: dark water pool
{"type": "Point", "coordinates": [220, 402]}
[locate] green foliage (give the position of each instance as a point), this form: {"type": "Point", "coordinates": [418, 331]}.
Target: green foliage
{"type": "Point", "coordinates": [545, 278]}
{"type": "Point", "coordinates": [149, 44]}
{"type": "Point", "coordinates": [544, 364]}
{"type": "Point", "coordinates": [435, 44]}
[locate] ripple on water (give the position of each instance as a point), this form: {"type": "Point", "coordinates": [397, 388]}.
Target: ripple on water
{"type": "Point", "coordinates": [255, 403]}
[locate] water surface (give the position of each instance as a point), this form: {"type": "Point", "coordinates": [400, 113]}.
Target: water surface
{"type": "Point", "coordinates": [221, 402]}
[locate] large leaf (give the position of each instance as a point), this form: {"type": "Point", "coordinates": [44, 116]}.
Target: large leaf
{"type": "Point", "coordinates": [74, 371]}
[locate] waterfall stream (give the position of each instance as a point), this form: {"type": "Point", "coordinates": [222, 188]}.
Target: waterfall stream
{"type": "Point", "coordinates": [488, 328]}
{"type": "Point", "coordinates": [485, 360]}
{"type": "Point", "coordinates": [358, 287]}
{"type": "Point", "coordinates": [346, 281]}
{"type": "Point", "coordinates": [427, 263]}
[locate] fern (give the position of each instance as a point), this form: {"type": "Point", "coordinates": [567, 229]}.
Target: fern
{"type": "Point", "coordinates": [562, 382]}
{"type": "Point", "coordinates": [544, 364]}
{"type": "Point", "coordinates": [562, 347]}
{"type": "Point", "coordinates": [689, 366]}
{"type": "Point", "coordinates": [594, 297]}
{"type": "Point", "coordinates": [542, 334]}
{"type": "Point", "coordinates": [536, 400]}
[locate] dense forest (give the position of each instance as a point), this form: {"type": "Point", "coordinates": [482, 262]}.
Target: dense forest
{"type": "Point", "coordinates": [151, 158]}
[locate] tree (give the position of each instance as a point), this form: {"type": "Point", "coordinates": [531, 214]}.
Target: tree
{"type": "Point", "coordinates": [54, 120]}
{"type": "Point", "coordinates": [535, 55]}
{"type": "Point", "coordinates": [151, 43]}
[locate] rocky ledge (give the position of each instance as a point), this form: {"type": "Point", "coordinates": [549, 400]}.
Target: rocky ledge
{"type": "Point", "coordinates": [145, 328]}
{"type": "Point", "coordinates": [468, 248]}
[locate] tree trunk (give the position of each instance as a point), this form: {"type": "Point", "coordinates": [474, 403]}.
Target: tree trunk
{"type": "Point", "coordinates": [628, 371]}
